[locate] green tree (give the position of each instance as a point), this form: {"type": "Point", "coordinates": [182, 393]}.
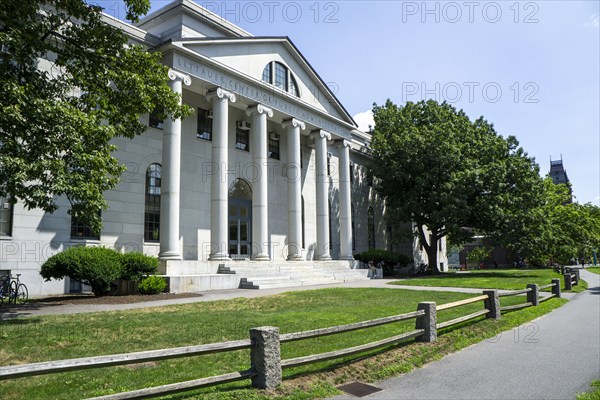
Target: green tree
{"type": "Point", "coordinates": [563, 230]}
{"type": "Point", "coordinates": [450, 175]}
{"type": "Point", "coordinates": [70, 83]}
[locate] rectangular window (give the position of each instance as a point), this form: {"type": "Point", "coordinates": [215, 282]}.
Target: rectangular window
{"type": "Point", "coordinates": [351, 172]}
{"type": "Point", "coordinates": [242, 139]}
{"type": "Point", "coordinates": [80, 230]}
{"type": "Point", "coordinates": [328, 164]}
{"type": "Point", "coordinates": [274, 148]}
{"type": "Point", "coordinates": [6, 214]}
{"type": "Point", "coordinates": [204, 125]}
{"type": "Point", "coordinates": [156, 118]}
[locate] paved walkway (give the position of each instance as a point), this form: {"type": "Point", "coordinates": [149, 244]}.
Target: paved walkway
{"type": "Point", "coordinates": [41, 308]}
{"type": "Point", "coordinates": [552, 357]}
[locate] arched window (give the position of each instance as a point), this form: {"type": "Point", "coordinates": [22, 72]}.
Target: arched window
{"type": "Point", "coordinates": [281, 77]}
{"type": "Point", "coordinates": [152, 204]}
{"type": "Point", "coordinates": [240, 190]}
{"type": "Point", "coordinates": [353, 230]}
{"type": "Point", "coordinates": [371, 227]}
{"type": "Point", "coordinates": [303, 225]}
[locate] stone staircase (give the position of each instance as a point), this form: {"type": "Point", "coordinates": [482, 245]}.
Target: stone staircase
{"type": "Point", "coordinates": [192, 276]}
{"type": "Point", "coordinates": [261, 275]}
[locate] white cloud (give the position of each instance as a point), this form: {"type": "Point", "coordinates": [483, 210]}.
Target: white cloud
{"type": "Point", "coordinates": [594, 22]}
{"type": "Point", "coordinates": [364, 120]}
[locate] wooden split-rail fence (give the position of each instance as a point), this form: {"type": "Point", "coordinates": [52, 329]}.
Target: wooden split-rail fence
{"type": "Point", "coordinates": [264, 344]}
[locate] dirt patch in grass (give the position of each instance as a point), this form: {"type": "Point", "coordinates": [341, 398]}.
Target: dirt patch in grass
{"type": "Point", "coordinates": [91, 299]}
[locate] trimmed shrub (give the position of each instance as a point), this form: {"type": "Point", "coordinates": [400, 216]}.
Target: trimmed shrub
{"type": "Point", "coordinates": [136, 265]}
{"type": "Point", "coordinates": [97, 267]}
{"type": "Point", "coordinates": [388, 258]}
{"type": "Point", "coordinates": [152, 285]}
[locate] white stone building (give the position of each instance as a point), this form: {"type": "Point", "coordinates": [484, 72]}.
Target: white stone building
{"type": "Point", "coordinates": [269, 168]}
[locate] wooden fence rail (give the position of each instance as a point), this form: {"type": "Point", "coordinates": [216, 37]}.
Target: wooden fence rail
{"type": "Point", "coordinates": [265, 343]}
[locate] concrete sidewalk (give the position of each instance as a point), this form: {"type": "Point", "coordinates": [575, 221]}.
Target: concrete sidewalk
{"type": "Point", "coordinates": [41, 308]}
{"type": "Point", "coordinates": [552, 357]}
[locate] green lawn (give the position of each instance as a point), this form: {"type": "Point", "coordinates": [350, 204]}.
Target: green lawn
{"type": "Point", "coordinates": [595, 270]}
{"type": "Point", "coordinates": [71, 336]}
{"type": "Point", "coordinates": [593, 394]}
{"type": "Point", "coordinates": [511, 279]}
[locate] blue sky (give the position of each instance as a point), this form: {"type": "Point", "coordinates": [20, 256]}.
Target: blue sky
{"type": "Point", "coordinates": [530, 68]}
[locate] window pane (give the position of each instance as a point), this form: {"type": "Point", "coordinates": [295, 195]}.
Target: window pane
{"type": "Point", "coordinates": [156, 118]}
{"type": "Point", "coordinates": [242, 139]}
{"type": "Point", "coordinates": [81, 230]}
{"type": "Point", "coordinates": [152, 204]}
{"type": "Point", "coordinates": [274, 149]}
{"type": "Point", "coordinates": [5, 217]}
{"type": "Point", "coordinates": [294, 86]}
{"type": "Point", "coordinates": [266, 76]}
{"type": "Point", "coordinates": [204, 125]}
{"type": "Point", "coordinates": [280, 76]}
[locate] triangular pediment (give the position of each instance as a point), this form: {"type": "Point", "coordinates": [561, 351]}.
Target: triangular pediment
{"type": "Point", "coordinates": [250, 56]}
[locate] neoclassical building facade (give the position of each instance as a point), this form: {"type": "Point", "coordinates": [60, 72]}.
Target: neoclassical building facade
{"type": "Point", "coordinates": [269, 168]}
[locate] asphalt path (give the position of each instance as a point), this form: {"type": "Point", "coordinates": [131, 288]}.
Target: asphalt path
{"type": "Point", "coordinates": [553, 357]}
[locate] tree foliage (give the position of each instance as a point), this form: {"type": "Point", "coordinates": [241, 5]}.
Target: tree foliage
{"type": "Point", "coordinates": [70, 83]}
{"type": "Point", "coordinates": [450, 175]}
{"type": "Point", "coordinates": [562, 231]}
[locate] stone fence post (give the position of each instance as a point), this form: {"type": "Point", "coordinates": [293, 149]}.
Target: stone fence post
{"type": "Point", "coordinates": [577, 276]}
{"type": "Point", "coordinates": [533, 296]}
{"type": "Point", "coordinates": [427, 322]}
{"type": "Point", "coordinates": [568, 282]}
{"type": "Point", "coordinates": [265, 357]}
{"type": "Point", "coordinates": [492, 303]}
{"type": "Point", "coordinates": [556, 287]}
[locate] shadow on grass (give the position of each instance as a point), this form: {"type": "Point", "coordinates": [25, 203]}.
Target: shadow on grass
{"type": "Point", "coordinates": [470, 275]}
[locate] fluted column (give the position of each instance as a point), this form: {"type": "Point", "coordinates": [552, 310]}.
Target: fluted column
{"type": "Point", "coordinates": [260, 200]}
{"type": "Point", "coordinates": [294, 183]}
{"type": "Point", "coordinates": [323, 239]}
{"type": "Point", "coordinates": [219, 189]}
{"type": "Point", "coordinates": [171, 176]}
{"type": "Point", "coordinates": [345, 200]}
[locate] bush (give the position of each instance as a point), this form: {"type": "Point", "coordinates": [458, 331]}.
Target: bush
{"type": "Point", "coordinates": [97, 267]}
{"type": "Point", "coordinates": [136, 265]}
{"type": "Point", "coordinates": [389, 259]}
{"type": "Point", "coordinates": [152, 285]}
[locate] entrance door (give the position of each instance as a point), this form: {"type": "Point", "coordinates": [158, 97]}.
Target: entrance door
{"type": "Point", "coordinates": [240, 229]}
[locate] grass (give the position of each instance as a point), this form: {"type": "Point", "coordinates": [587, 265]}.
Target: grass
{"type": "Point", "coordinates": [594, 394]}
{"type": "Point", "coordinates": [511, 279]}
{"type": "Point", "coordinates": [70, 336]}
{"type": "Point", "coordinates": [595, 270]}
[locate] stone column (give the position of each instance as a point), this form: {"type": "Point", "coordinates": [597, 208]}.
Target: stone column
{"type": "Point", "coordinates": [427, 322]}
{"type": "Point", "coordinates": [345, 201]}
{"type": "Point", "coordinates": [492, 303]}
{"type": "Point", "coordinates": [556, 287]}
{"type": "Point", "coordinates": [294, 182]}
{"type": "Point", "coordinates": [219, 188]}
{"type": "Point", "coordinates": [260, 199]}
{"type": "Point", "coordinates": [533, 296]}
{"type": "Point", "coordinates": [171, 176]}
{"type": "Point", "coordinates": [323, 239]}
{"type": "Point", "coordinates": [265, 357]}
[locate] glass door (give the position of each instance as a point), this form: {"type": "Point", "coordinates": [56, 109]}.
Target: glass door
{"type": "Point", "coordinates": [239, 228]}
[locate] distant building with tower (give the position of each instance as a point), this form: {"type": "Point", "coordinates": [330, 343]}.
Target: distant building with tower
{"type": "Point", "coordinates": [558, 174]}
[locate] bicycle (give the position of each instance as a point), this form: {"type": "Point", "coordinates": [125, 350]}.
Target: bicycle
{"type": "Point", "coordinates": [13, 289]}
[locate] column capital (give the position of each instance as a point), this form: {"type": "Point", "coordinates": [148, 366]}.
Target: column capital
{"type": "Point", "coordinates": [293, 122]}
{"type": "Point", "coordinates": [185, 78]}
{"type": "Point", "coordinates": [320, 133]}
{"type": "Point", "coordinates": [221, 94]}
{"type": "Point", "coordinates": [342, 143]}
{"type": "Point", "coordinates": [260, 109]}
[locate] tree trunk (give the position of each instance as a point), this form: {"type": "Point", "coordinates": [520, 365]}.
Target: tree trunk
{"type": "Point", "coordinates": [430, 248]}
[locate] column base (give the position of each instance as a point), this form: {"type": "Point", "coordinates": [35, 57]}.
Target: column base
{"type": "Point", "coordinates": [347, 258]}
{"type": "Point", "coordinates": [219, 257]}
{"type": "Point", "coordinates": [295, 257]}
{"type": "Point", "coordinates": [325, 257]}
{"type": "Point", "coordinates": [260, 257]}
{"type": "Point", "coordinates": [169, 255]}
